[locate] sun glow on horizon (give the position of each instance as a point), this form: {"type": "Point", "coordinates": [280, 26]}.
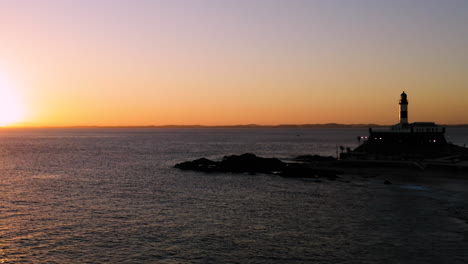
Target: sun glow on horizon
{"type": "Point", "coordinates": [11, 108]}
{"type": "Point", "coordinates": [231, 62]}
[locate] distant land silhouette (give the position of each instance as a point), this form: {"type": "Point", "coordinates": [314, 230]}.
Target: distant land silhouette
{"type": "Point", "coordinates": [327, 125]}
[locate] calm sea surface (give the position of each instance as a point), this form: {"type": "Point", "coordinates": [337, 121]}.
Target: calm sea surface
{"type": "Point", "coordinates": [112, 196]}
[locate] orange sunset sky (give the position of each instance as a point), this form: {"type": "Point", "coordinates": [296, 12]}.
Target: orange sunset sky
{"type": "Point", "coordinates": [228, 62]}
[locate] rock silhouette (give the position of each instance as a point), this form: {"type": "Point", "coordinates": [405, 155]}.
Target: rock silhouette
{"type": "Point", "coordinates": [250, 163]}
{"type": "Point", "coordinates": [314, 158]}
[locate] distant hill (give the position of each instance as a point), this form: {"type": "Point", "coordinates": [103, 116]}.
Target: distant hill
{"type": "Point", "coordinates": [328, 125]}
{"type": "Point", "coordinates": [332, 125]}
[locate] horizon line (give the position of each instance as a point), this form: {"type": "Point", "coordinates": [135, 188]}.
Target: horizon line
{"type": "Point", "coordinates": [317, 125]}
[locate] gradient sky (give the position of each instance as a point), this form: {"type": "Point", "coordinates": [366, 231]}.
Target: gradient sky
{"type": "Point", "coordinates": [226, 62]}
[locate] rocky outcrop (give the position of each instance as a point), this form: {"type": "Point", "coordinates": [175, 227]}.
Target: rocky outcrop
{"type": "Point", "coordinates": [250, 163]}
{"type": "Point", "coordinates": [243, 163]}
{"type": "Point", "coordinates": [314, 158]}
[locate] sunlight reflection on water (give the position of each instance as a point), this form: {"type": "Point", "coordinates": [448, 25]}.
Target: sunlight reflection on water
{"type": "Point", "coordinates": [117, 199]}
{"type": "Point", "coordinates": [415, 187]}
{"type": "Point", "coordinates": [47, 176]}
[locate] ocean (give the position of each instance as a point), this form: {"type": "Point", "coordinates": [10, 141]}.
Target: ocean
{"type": "Point", "coordinates": [113, 196]}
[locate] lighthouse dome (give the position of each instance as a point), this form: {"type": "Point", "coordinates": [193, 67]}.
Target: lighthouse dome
{"type": "Point", "coordinates": [403, 95]}
{"type": "Point", "coordinates": [403, 98]}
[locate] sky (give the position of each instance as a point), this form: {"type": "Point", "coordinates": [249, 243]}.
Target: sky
{"type": "Point", "coordinates": [229, 62]}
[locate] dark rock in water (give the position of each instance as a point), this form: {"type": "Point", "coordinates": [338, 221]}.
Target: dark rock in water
{"type": "Point", "coordinates": [250, 163]}
{"type": "Point", "coordinates": [312, 158]}
{"type": "Point", "coordinates": [202, 164]}
{"type": "Point", "coordinates": [387, 182]}
{"type": "Point", "coordinates": [243, 163]}
{"type": "Point", "coordinates": [298, 171]}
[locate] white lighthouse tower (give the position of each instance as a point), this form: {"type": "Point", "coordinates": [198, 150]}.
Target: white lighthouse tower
{"type": "Point", "coordinates": [403, 109]}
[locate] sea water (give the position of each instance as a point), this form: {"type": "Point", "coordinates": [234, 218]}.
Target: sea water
{"type": "Point", "coordinates": [113, 196]}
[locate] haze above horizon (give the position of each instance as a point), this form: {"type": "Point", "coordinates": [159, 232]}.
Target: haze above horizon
{"type": "Point", "coordinates": [209, 62]}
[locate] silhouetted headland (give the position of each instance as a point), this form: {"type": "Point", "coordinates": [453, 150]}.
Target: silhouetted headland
{"type": "Point", "coordinates": [418, 145]}
{"type": "Point", "coordinates": [418, 141]}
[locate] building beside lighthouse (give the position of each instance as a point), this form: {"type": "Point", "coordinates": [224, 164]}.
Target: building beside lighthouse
{"type": "Point", "coordinates": [417, 127]}
{"type": "Point", "coordinates": [409, 134]}
{"type": "Point", "coordinates": [405, 139]}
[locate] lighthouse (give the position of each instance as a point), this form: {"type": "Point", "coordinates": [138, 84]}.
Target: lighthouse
{"type": "Point", "coordinates": [405, 141]}
{"type": "Point", "coordinates": [403, 109]}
